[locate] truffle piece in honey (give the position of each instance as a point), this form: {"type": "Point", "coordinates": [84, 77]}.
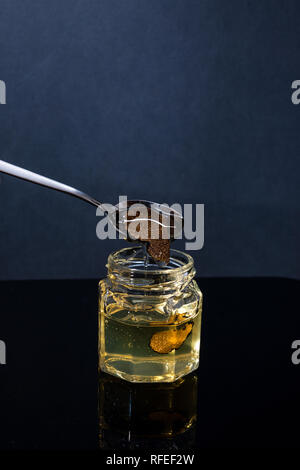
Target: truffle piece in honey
{"type": "Point", "coordinates": [164, 342]}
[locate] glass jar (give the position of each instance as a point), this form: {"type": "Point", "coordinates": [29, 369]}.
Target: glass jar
{"type": "Point", "coordinates": [149, 317]}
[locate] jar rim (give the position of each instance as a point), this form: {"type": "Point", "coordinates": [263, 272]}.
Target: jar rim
{"type": "Point", "coordinates": [176, 257]}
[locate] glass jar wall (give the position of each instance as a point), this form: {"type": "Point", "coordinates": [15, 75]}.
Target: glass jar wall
{"type": "Point", "coordinates": [149, 317]}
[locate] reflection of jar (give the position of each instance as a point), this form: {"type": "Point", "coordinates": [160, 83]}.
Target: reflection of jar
{"type": "Point", "coordinates": [150, 317]}
{"type": "Point", "coordinates": [147, 415]}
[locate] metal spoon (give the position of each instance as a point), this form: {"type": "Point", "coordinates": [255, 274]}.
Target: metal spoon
{"type": "Point", "coordinates": [118, 216]}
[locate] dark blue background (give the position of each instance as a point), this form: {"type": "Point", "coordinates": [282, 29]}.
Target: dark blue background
{"type": "Point", "coordinates": [169, 100]}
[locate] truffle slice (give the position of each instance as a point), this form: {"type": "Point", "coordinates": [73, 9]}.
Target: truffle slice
{"type": "Point", "coordinates": [164, 342]}
{"type": "Point", "coordinates": [157, 246]}
{"type": "Point", "coordinates": [159, 250]}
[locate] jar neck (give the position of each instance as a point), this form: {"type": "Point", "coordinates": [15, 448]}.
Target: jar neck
{"type": "Point", "coordinates": [127, 270]}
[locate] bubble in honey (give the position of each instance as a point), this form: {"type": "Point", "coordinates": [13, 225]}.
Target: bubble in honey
{"type": "Point", "coordinates": [164, 342]}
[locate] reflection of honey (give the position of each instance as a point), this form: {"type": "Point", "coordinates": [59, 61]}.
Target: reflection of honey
{"type": "Point", "coordinates": [130, 413]}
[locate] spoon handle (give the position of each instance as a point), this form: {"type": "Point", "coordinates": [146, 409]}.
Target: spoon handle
{"type": "Point", "coordinates": [18, 172]}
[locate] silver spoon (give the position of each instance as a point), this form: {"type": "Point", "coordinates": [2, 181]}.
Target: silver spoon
{"type": "Point", "coordinates": [118, 216]}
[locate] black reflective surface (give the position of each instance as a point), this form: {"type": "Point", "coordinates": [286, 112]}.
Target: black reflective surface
{"type": "Point", "coordinates": [245, 393]}
{"type": "Point", "coordinates": [160, 416]}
